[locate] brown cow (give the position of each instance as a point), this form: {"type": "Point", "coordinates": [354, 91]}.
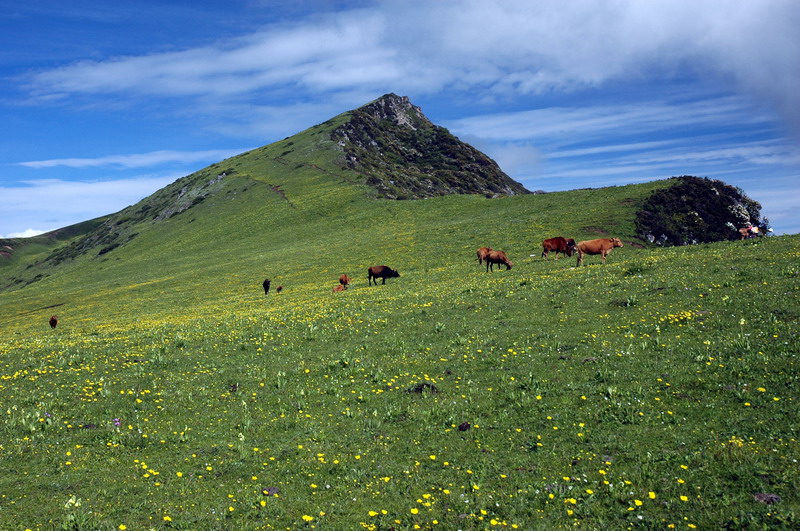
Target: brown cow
{"type": "Point", "coordinates": [339, 287]}
{"type": "Point", "coordinates": [54, 321]}
{"type": "Point", "coordinates": [278, 289]}
{"type": "Point", "coordinates": [497, 257]}
{"type": "Point", "coordinates": [750, 231]}
{"type": "Point", "coordinates": [344, 280]}
{"type": "Point", "coordinates": [383, 272]}
{"type": "Point", "coordinates": [482, 253]}
{"type": "Point", "coordinates": [601, 246]}
{"type": "Point", "coordinates": [558, 245]}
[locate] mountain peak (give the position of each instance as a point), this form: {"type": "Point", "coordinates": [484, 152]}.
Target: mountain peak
{"type": "Point", "coordinates": [403, 155]}
{"type": "Point", "coordinates": [397, 109]}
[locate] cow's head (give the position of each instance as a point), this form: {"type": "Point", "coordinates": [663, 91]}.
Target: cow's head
{"type": "Point", "coordinates": [616, 242]}
{"type": "Point", "coordinates": [393, 273]}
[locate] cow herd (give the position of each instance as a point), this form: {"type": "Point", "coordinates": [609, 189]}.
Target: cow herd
{"type": "Point", "coordinates": [373, 274]}
{"type": "Point", "coordinates": [566, 246]}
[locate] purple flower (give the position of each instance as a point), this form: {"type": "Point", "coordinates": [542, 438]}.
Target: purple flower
{"type": "Point", "coordinates": [117, 422]}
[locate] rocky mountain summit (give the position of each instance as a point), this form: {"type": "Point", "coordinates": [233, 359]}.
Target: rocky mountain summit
{"type": "Point", "coordinates": [403, 155]}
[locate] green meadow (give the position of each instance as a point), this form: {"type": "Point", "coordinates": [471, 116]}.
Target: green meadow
{"type": "Point", "coordinates": [657, 391]}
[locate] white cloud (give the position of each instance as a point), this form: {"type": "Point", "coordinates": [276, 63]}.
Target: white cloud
{"type": "Point", "coordinates": [606, 141]}
{"type": "Point", "coordinates": [154, 158]}
{"type": "Point", "coordinates": [756, 153]}
{"type": "Point", "coordinates": [780, 205]}
{"type": "Point", "coordinates": [513, 158]}
{"type": "Point", "coordinates": [273, 121]}
{"type": "Point", "coordinates": [606, 149]}
{"type": "Point", "coordinates": [51, 204]}
{"type": "Point", "coordinates": [319, 55]}
{"type": "Point", "coordinates": [27, 233]}
{"type": "Point", "coordinates": [592, 121]}
{"type": "Point", "coordinates": [506, 46]}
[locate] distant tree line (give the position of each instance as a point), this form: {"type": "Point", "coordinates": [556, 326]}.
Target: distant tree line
{"type": "Point", "coordinates": [697, 210]}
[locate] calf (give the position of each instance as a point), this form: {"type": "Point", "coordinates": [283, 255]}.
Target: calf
{"type": "Point", "coordinates": [558, 245]}
{"type": "Point", "coordinates": [383, 272]}
{"type": "Point", "coordinates": [339, 287]}
{"type": "Point", "coordinates": [497, 257]}
{"type": "Point", "coordinates": [601, 246]}
{"type": "Point", "coordinates": [344, 280]}
{"type": "Point", "coordinates": [54, 321]}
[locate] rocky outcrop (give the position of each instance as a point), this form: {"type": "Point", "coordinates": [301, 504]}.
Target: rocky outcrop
{"type": "Point", "coordinates": [403, 155]}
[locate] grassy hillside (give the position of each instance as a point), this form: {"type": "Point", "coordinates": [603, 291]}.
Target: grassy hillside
{"type": "Point", "coordinates": [658, 390]}
{"type": "Point", "coordinates": [19, 255]}
{"type": "Point", "coordinates": [304, 240]}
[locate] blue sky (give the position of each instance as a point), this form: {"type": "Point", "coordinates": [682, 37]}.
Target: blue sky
{"type": "Point", "coordinates": [103, 103]}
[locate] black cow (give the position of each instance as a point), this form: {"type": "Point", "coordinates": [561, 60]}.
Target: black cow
{"type": "Point", "coordinates": [383, 272]}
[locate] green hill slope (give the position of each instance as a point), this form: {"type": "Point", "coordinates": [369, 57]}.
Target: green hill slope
{"type": "Point", "coordinates": [17, 255]}
{"type": "Point", "coordinates": [660, 389]}
{"type": "Point", "coordinates": [249, 232]}
{"type": "Point", "coordinates": [302, 205]}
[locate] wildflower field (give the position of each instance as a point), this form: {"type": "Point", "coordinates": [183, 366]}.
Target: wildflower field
{"type": "Point", "coordinates": [658, 391]}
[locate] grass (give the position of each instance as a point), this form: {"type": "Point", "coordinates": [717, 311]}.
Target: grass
{"type": "Point", "coordinates": [658, 390]}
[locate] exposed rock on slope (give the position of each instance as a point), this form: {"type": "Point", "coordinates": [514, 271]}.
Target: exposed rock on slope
{"type": "Point", "coordinates": [405, 156]}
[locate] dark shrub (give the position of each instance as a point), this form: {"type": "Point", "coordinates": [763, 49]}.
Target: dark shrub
{"type": "Point", "coordinates": [696, 210]}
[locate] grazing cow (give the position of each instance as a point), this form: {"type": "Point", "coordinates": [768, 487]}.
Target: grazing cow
{"type": "Point", "coordinates": [558, 245]}
{"type": "Point", "coordinates": [750, 231]}
{"type": "Point", "coordinates": [339, 287]}
{"type": "Point", "coordinates": [482, 253]}
{"type": "Point", "coordinates": [383, 272]}
{"type": "Point", "coordinates": [266, 286]}
{"type": "Point", "coordinates": [54, 321]}
{"type": "Point", "coordinates": [278, 289]}
{"type": "Point", "coordinates": [601, 246]}
{"type": "Point", "coordinates": [497, 257]}
{"type": "Point", "coordinates": [344, 280]}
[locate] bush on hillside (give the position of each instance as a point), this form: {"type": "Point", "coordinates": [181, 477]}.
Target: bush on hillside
{"type": "Point", "coordinates": [697, 210]}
